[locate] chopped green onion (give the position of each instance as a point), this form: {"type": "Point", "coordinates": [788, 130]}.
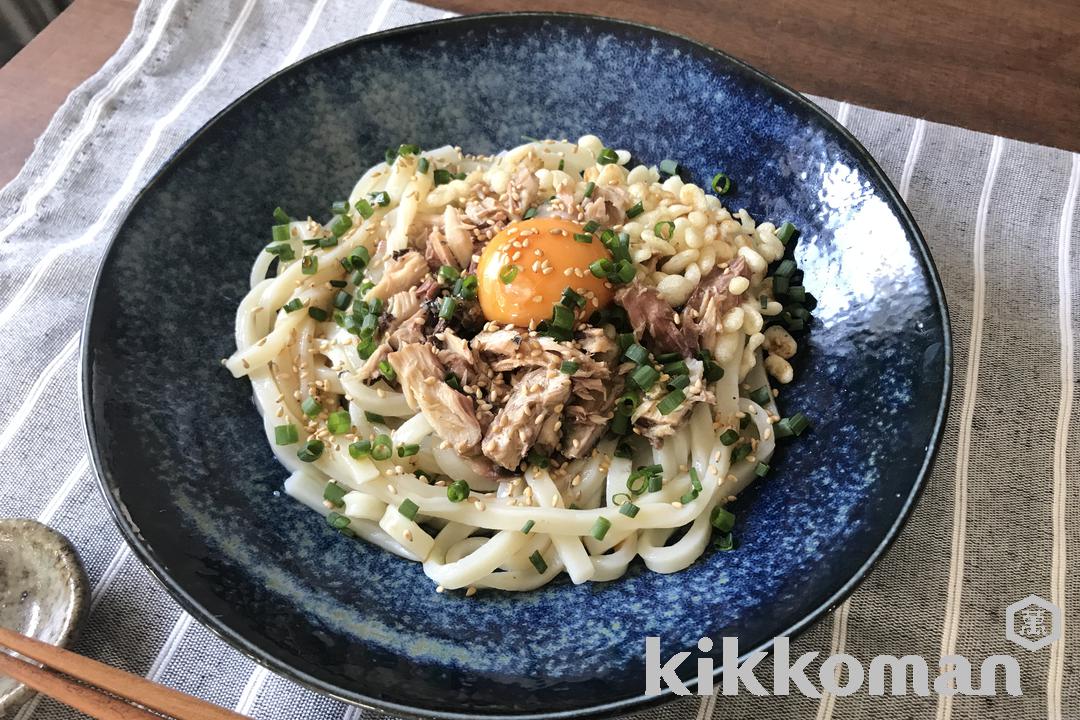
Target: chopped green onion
{"type": "Point", "coordinates": [422, 166]}
{"type": "Point", "coordinates": [562, 164]}
{"type": "Point", "coordinates": [620, 498]}
{"type": "Point", "coordinates": [799, 423]}
{"type": "Point", "coordinates": [339, 207]}
{"type": "Point", "coordinates": [339, 224]}
{"type": "Point", "coordinates": [625, 340]}
{"type": "Point", "coordinates": [562, 317]}
{"type": "Point", "coordinates": [627, 402]}
{"type": "Point", "coordinates": [342, 300]}
{"type": "Point", "coordinates": [637, 482]}
{"type": "Point", "coordinates": [782, 429]}
{"type": "Point", "coordinates": [729, 436]}
{"type": "Point", "coordinates": [286, 434]}
{"type": "Point", "coordinates": [591, 226]}
{"type": "Point", "coordinates": [676, 368]}
{"type": "Point", "coordinates": [664, 230]}
{"type": "Point", "coordinates": [635, 210]}
{"type": "Point", "coordinates": [537, 561]}
{"type": "Point", "coordinates": [671, 402]}
{"type": "Point", "coordinates": [779, 285]}
{"type": "Point", "coordinates": [310, 451]}
{"type": "Point", "coordinates": [408, 508]}
{"type": "Point", "coordinates": [669, 167]}
{"type": "Point", "coordinates": [446, 310]}
{"type": "Point", "coordinates": [568, 367]}
{"type": "Point", "coordinates": [508, 273]}
{"type": "Point", "coordinates": [457, 491]}
{"type": "Point", "coordinates": [281, 217]}
{"type": "Point", "coordinates": [366, 348]}
{"type": "Point", "coordinates": [339, 422]}
{"type": "Point", "coordinates": [761, 469]}
{"type": "Point", "coordinates": [695, 480]}
{"type": "Point", "coordinates": [786, 232]}
{"type": "Point", "coordinates": [724, 543]}
{"type": "Point", "coordinates": [600, 528]}
{"type": "Point", "coordinates": [311, 406]}
{"type": "Point", "coordinates": [390, 155]}
{"type": "Point", "coordinates": [360, 449]}
{"type": "Point", "coordinates": [740, 452]}
{"type": "Point", "coordinates": [309, 264]}
{"type": "Point", "coordinates": [334, 494]}
{"type": "Point", "coordinates": [645, 377]}
{"type": "Point", "coordinates": [589, 187]}
{"type": "Point", "coordinates": [656, 483]}
{"type": "Point", "coordinates": [442, 176]}
{"type": "Point", "coordinates": [449, 273]}
{"type": "Point", "coordinates": [281, 233]}
{"type": "Point", "coordinates": [529, 214]}
{"type": "Point", "coordinates": [571, 298]}
{"type": "Point", "coordinates": [459, 176]}
{"type": "Point", "coordinates": [387, 370]}
{"type": "Point", "coordinates": [629, 509]}
{"type": "Point", "coordinates": [337, 521]}
{"type": "Point", "coordinates": [762, 395]}
{"type": "Point", "coordinates": [797, 293]}
{"type": "Point", "coordinates": [328, 242]}
{"type": "Point", "coordinates": [468, 287]}
{"type": "Point", "coordinates": [744, 422]}
{"type": "Point", "coordinates": [679, 382]}
{"type": "Point", "coordinates": [293, 305]}
{"type": "Point", "coordinates": [364, 208]}
{"type": "Point", "coordinates": [583, 238]}
{"type": "Point", "coordinates": [453, 381]}
{"type": "Point", "coordinates": [625, 272]}
{"type": "Point", "coordinates": [764, 302]}
{"type": "Point", "coordinates": [721, 184]}
{"type": "Point", "coordinates": [620, 423]}
{"type": "Point", "coordinates": [408, 149]}
{"type": "Point", "coordinates": [538, 459]}
{"type": "Point", "coordinates": [637, 354]}
{"type": "Point", "coordinates": [408, 450]}
{"type": "Point", "coordinates": [284, 251]}
{"type": "Point", "coordinates": [607, 156]}
{"type": "Point", "coordinates": [527, 527]}
{"type": "Point", "coordinates": [722, 519]}
{"type": "Point", "coordinates": [785, 268]}
{"type": "Point", "coordinates": [374, 417]}
{"type": "Point", "coordinates": [382, 448]}
{"type": "Point", "coordinates": [624, 451]}
{"type": "Point", "coordinates": [795, 324]}
{"type": "Point", "coordinates": [601, 267]}
{"type": "Point", "coordinates": [381, 198]}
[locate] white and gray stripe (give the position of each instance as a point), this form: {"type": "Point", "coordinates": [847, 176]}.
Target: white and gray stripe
{"type": "Point", "coordinates": [985, 204]}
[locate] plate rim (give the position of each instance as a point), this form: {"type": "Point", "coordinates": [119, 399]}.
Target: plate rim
{"type": "Point", "coordinates": [132, 536]}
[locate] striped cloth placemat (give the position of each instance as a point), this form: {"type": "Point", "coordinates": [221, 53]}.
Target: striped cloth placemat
{"type": "Point", "coordinates": [997, 521]}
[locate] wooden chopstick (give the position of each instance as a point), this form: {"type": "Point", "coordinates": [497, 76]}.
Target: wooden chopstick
{"type": "Point", "coordinates": [124, 685]}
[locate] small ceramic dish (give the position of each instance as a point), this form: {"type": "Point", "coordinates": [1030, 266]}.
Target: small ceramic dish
{"type": "Point", "coordinates": [43, 593]}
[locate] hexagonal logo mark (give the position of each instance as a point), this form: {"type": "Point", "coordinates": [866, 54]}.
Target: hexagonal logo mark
{"type": "Point", "coordinates": [1033, 622]}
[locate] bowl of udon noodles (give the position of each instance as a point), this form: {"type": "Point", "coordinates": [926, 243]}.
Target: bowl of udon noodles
{"type": "Point", "coordinates": [439, 372]}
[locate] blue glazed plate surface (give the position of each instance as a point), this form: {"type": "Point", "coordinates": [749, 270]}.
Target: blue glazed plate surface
{"type": "Point", "coordinates": [183, 459]}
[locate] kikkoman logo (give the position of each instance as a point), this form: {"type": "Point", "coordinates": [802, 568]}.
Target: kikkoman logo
{"type": "Point", "coordinates": [1032, 623]}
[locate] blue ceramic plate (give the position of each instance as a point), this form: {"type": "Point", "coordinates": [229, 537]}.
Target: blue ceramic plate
{"type": "Point", "coordinates": [181, 451]}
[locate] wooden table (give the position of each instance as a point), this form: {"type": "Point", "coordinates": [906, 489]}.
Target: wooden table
{"type": "Point", "coordinates": [1000, 66]}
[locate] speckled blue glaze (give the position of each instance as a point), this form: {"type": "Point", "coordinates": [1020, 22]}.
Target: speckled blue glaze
{"type": "Point", "coordinates": [181, 450]}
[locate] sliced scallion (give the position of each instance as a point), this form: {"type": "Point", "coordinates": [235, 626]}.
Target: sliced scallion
{"type": "Point", "coordinates": [286, 434]}
{"type": "Point", "coordinates": [527, 527]}
{"type": "Point", "coordinates": [408, 508]}
{"type": "Point", "coordinates": [671, 402]}
{"type": "Point", "coordinates": [600, 528]}
{"type": "Point", "coordinates": [339, 422]}
{"type": "Point", "coordinates": [457, 491]}
{"type": "Point", "coordinates": [311, 406]}
{"type": "Point", "coordinates": [721, 184]}
{"type": "Point", "coordinates": [310, 451]}
{"type": "Point", "coordinates": [537, 561]}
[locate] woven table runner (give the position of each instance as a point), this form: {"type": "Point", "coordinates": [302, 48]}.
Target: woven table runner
{"type": "Point", "coordinates": [1000, 518]}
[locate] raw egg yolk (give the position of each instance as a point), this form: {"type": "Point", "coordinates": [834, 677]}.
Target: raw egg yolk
{"type": "Point", "coordinates": [524, 270]}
